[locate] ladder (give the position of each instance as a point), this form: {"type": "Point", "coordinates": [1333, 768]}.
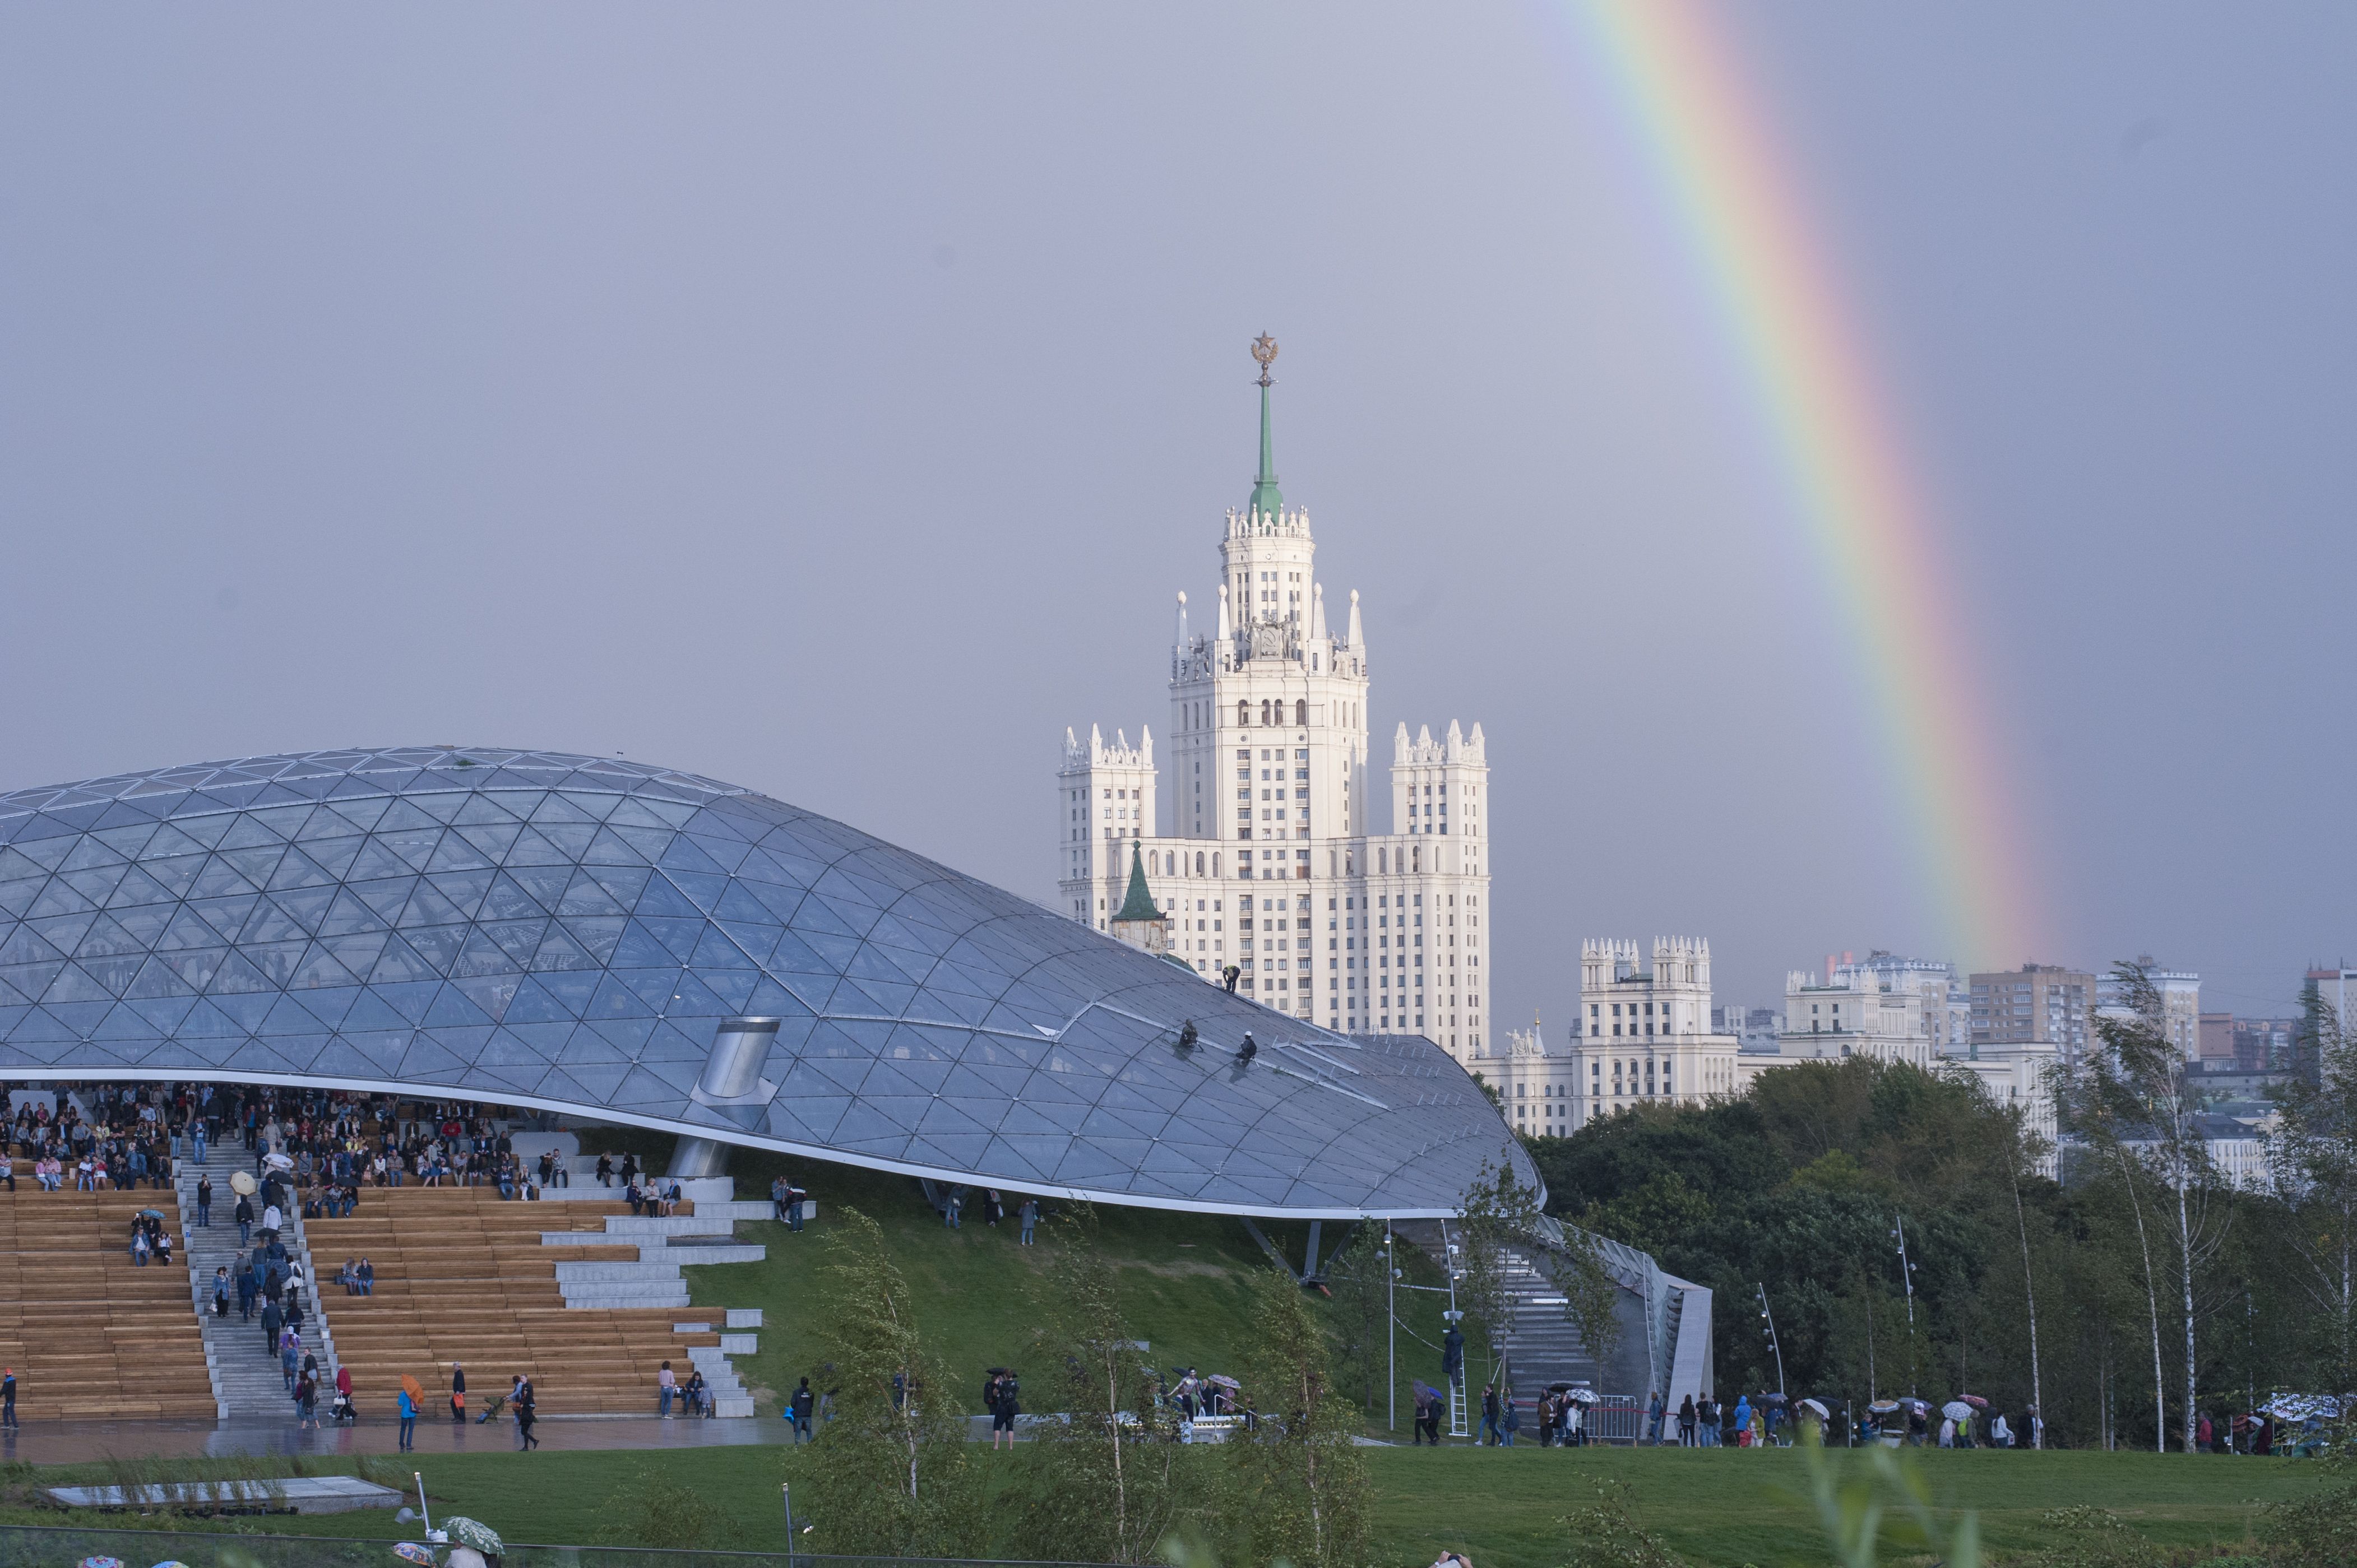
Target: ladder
{"type": "Point", "coordinates": [1456, 1427]}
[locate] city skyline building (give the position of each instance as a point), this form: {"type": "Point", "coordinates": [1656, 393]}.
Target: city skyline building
{"type": "Point", "coordinates": [2039, 1003]}
{"type": "Point", "coordinates": [1263, 846]}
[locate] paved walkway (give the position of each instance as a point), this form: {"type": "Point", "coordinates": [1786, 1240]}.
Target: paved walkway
{"type": "Point", "coordinates": [74, 1442]}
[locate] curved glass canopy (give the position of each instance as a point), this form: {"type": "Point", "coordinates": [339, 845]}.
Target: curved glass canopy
{"type": "Point", "coordinates": [571, 933]}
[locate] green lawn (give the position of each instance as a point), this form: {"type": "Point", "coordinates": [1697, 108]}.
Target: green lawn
{"type": "Point", "coordinates": [1501, 1508]}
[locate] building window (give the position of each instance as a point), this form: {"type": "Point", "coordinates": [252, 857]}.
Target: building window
{"type": "Point", "coordinates": [1301, 712]}
{"type": "Point", "coordinates": [1243, 713]}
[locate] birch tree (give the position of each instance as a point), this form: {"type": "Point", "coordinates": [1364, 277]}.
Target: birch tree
{"type": "Point", "coordinates": [2312, 1164]}
{"type": "Point", "coordinates": [891, 1478]}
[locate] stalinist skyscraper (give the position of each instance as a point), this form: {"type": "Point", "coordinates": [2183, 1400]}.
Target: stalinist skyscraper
{"type": "Point", "coordinates": [1259, 851]}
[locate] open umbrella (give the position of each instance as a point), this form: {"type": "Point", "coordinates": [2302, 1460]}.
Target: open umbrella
{"type": "Point", "coordinates": [1771, 1399]}
{"type": "Point", "coordinates": [241, 1184]}
{"type": "Point", "coordinates": [410, 1552]}
{"type": "Point", "coordinates": [1581, 1396]}
{"type": "Point", "coordinates": [172, 1562]}
{"type": "Point", "coordinates": [151, 1214]}
{"type": "Point", "coordinates": [278, 1162]}
{"type": "Point", "coordinates": [1974, 1401]}
{"type": "Point", "coordinates": [1822, 1413]}
{"type": "Point", "coordinates": [1886, 1407]}
{"type": "Point", "coordinates": [1957, 1409]}
{"type": "Point", "coordinates": [474, 1533]}
{"type": "Point", "coordinates": [414, 1389]}
{"type": "Point", "coordinates": [1224, 1381]}
{"type": "Point", "coordinates": [102, 1562]}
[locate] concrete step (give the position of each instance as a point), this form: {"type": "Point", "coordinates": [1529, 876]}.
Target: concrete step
{"type": "Point", "coordinates": [589, 1296]}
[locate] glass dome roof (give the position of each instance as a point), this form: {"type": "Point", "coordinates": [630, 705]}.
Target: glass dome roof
{"type": "Point", "coordinates": [569, 932]}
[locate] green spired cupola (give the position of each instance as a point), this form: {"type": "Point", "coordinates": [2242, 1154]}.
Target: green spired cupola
{"type": "Point", "coordinates": [1266, 498]}
{"type": "Point", "coordinates": [1139, 905]}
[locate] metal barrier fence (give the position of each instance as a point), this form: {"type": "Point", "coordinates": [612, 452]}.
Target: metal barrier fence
{"type": "Point", "coordinates": [41, 1546]}
{"type": "Point", "coordinates": [1616, 1418]}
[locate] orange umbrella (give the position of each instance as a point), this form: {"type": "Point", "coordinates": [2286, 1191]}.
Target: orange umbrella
{"type": "Point", "coordinates": [414, 1389]}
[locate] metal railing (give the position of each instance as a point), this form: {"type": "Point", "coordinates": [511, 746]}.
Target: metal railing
{"type": "Point", "coordinates": [43, 1546]}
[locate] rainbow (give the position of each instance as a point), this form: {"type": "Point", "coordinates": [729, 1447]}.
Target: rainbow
{"type": "Point", "coordinates": [1868, 524]}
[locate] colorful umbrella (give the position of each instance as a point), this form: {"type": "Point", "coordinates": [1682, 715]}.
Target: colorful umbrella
{"type": "Point", "coordinates": [413, 1388]}
{"type": "Point", "coordinates": [1974, 1401]}
{"type": "Point", "coordinates": [172, 1562]}
{"type": "Point", "coordinates": [474, 1533]}
{"type": "Point", "coordinates": [102, 1562]}
{"type": "Point", "coordinates": [410, 1552]}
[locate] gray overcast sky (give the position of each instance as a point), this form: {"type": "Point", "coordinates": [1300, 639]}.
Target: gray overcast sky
{"type": "Point", "coordinates": [829, 398]}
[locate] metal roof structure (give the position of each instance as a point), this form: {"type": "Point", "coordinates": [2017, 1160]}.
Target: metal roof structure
{"type": "Point", "coordinates": [572, 932]}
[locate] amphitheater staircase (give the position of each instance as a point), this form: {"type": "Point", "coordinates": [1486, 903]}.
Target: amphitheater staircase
{"type": "Point", "coordinates": [246, 1380]}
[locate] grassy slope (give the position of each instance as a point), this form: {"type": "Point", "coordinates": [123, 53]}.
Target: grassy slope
{"type": "Point", "coordinates": [1501, 1508]}
{"type": "Point", "coordinates": [1183, 1282]}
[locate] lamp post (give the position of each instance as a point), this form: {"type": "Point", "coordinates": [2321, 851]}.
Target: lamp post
{"type": "Point", "coordinates": [1770, 1318]}
{"type": "Point", "coordinates": [1391, 1330]}
{"type": "Point", "coordinates": [1907, 1278]}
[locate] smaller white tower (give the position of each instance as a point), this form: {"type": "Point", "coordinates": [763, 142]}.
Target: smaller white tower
{"type": "Point", "coordinates": [1105, 796]}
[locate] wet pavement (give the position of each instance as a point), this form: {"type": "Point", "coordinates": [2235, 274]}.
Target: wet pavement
{"type": "Point", "coordinates": [74, 1442]}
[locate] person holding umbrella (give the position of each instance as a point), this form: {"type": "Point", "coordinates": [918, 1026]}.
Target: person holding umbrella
{"type": "Point", "coordinates": [408, 1404]}
{"type": "Point", "coordinates": [1957, 1425]}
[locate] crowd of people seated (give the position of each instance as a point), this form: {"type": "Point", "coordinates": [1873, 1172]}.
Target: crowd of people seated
{"type": "Point", "coordinates": [125, 1144]}
{"type": "Point", "coordinates": [102, 1136]}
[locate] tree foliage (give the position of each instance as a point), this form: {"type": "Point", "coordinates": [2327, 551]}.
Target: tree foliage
{"type": "Point", "coordinates": [891, 1476]}
{"type": "Point", "coordinates": [1359, 1279]}
{"type": "Point", "coordinates": [1297, 1489]}
{"type": "Point", "coordinates": [1798, 1183]}
{"type": "Point", "coordinates": [1104, 1483]}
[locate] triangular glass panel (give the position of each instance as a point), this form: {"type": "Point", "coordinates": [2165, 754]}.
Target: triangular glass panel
{"type": "Point", "coordinates": [598, 938]}
{"type": "Point", "coordinates": [469, 1002]}
{"type": "Point", "coordinates": [455, 852]}
{"type": "Point", "coordinates": [507, 901]}
{"type": "Point", "coordinates": [56, 899]}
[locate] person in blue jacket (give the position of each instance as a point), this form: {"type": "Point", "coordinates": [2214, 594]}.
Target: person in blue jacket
{"type": "Point", "coordinates": [408, 1421]}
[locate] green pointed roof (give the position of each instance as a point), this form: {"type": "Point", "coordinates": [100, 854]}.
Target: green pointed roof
{"type": "Point", "coordinates": [1267, 497]}
{"type": "Point", "coordinates": [1139, 905]}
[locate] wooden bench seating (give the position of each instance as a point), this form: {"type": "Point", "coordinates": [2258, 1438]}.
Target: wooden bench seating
{"type": "Point", "coordinates": [461, 1276]}
{"type": "Point", "coordinates": [90, 1335]}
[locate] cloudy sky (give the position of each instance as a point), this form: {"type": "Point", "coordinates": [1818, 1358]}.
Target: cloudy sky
{"type": "Point", "coordinates": [830, 399]}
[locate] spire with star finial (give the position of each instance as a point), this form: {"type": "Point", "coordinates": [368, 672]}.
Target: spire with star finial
{"type": "Point", "coordinates": [1266, 498]}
